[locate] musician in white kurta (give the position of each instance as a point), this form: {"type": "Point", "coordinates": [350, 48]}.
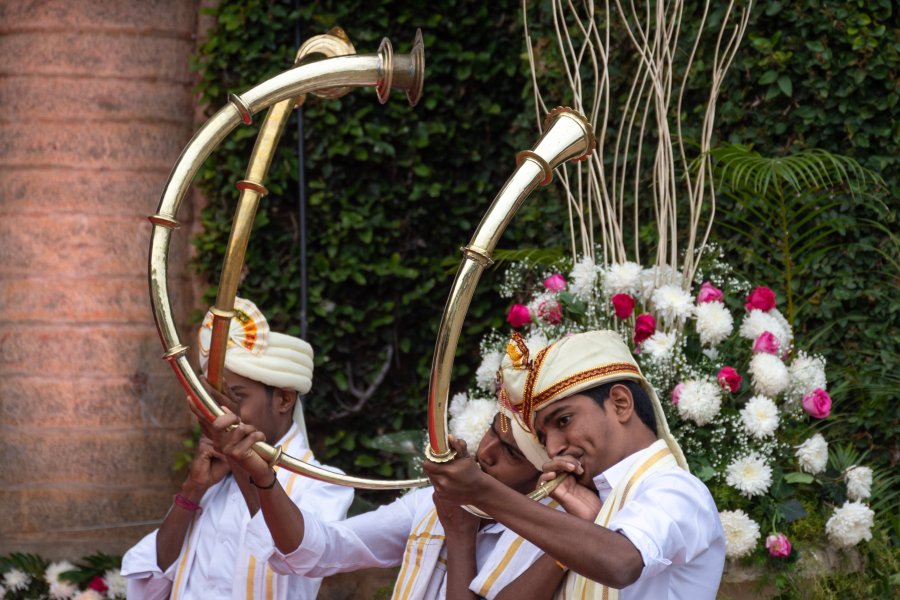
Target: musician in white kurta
{"type": "Point", "coordinates": [483, 555]}
{"type": "Point", "coordinates": [200, 549]}
{"type": "Point", "coordinates": [657, 533]}
{"type": "Point", "coordinates": [215, 561]}
{"type": "Point", "coordinates": [406, 533]}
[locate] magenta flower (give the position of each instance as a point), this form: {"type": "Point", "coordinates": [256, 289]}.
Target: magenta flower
{"type": "Point", "coordinates": [676, 393]}
{"type": "Point", "coordinates": [550, 311]}
{"type": "Point", "coordinates": [518, 315]}
{"type": "Point", "coordinates": [817, 403]}
{"type": "Point", "coordinates": [624, 305]}
{"type": "Point", "coordinates": [766, 342]}
{"type": "Point", "coordinates": [778, 545]}
{"type": "Point", "coordinates": [709, 293]}
{"type": "Point", "coordinates": [761, 298]}
{"type": "Point", "coordinates": [729, 379]}
{"type": "Point", "coordinates": [644, 327]}
{"type": "Point", "coordinates": [555, 283]}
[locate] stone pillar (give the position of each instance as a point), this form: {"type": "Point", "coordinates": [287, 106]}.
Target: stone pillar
{"type": "Point", "coordinates": [96, 106]}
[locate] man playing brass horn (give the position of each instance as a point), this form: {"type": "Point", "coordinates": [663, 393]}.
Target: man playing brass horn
{"type": "Point", "coordinates": [200, 550]}
{"type": "Point", "coordinates": [652, 529]}
{"type": "Point", "coordinates": [442, 550]}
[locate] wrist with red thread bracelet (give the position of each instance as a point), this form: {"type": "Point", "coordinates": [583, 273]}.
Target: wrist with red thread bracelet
{"type": "Point", "coordinates": [186, 503]}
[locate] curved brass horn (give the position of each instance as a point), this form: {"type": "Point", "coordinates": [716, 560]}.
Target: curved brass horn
{"type": "Point", "coordinates": [384, 71]}
{"type": "Point", "coordinates": [567, 136]}
{"type": "Point", "coordinates": [334, 43]}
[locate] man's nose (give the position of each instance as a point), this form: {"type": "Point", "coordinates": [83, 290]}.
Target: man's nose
{"type": "Point", "coordinates": [554, 443]}
{"type": "Point", "coordinates": [488, 450]}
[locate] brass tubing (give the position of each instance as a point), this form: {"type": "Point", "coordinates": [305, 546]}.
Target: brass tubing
{"type": "Point", "coordinates": [252, 189]}
{"type": "Point", "coordinates": [567, 135]}
{"type": "Point", "coordinates": [346, 71]}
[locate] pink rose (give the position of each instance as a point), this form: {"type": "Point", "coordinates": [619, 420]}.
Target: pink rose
{"type": "Point", "coordinates": [817, 403]}
{"type": "Point", "coordinates": [555, 283]}
{"type": "Point", "coordinates": [709, 293]}
{"type": "Point", "coordinates": [676, 393]}
{"type": "Point", "coordinates": [550, 311]}
{"type": "Point", "coordinates": [761, 298]}
{"type": "Point", "coordinates": [778, 545]}
{"type": "Point", "coordinates": [729, 379]}
{"type": "Point", "coordinates": [624, 305]}
{"type": "Point", "coordinates": [98, 585]}
{"type": "Point", "coordinates": [518, 315]}
{"type": "Point", "coordinates": [644, 327]}
{"type": "Point", "coordinates": [766, 342]}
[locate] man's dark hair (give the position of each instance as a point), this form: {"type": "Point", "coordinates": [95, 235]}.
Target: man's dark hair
{"type": "Point", "coordinates": [642, 405]}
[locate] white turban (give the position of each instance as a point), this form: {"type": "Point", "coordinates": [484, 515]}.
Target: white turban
{"type": "Point", "coordinates": [255, 352]}
{"type": "Point", "coordinates": [567, 367]}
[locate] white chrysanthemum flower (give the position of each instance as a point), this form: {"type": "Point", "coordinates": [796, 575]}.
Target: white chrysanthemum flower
{"type": "Point", "coordinates": [471, 419]}
{"type": "Point", "coordinates": [656, 277]}
{"type": "Point", "coordinates": [535, 342]}
{"type": "Point", "coordinates": [660, 346]}
{"type": "Point", "coordinates": [457, 404]}
{"type": "Point", "coordinates": [60, 589]}
{"type": "Point", "coordinates": [89, 595]}
{"type": "Point", "coordinates": [770, 376]}
{"type": "Point", "coordinates": [15, 580]}
{"type": "Point", "coordinates": [813, 454]}
{"type": "Point", "coordinates": [859, 482]}
{"type": "Point", "coordinates": [757, 322]}
{"type": "Point", "coordinates": [750, 475]}
{"type": "Point", "coordinates": [807, 374]}
{"type": "Point", "coordinates": [486, 375]}
{"type": "Point", "coordinates": [53, 571]}
{"type": "Point", "coordinates": [700, 401]}
{"type": "Point", "coordinates": [622, 278]}
{"type": "Point", "coordinates": [760, 417]}
{"type": "Point", "coordinates": [672, 303]}
{"type": "Point", "coordinates": [583, 278]}
{"type": "Point", "coordinates": [850, 524]}
{"type": "Point", "coordinates": [118, 585]}
{"type": "Point", "coordinates": [785, 328]}
{"type": "Point", "coordinates": [741, 533]}
{"type": "Point", "coordinates": [711, 353]}
{"type": "Point", "coordinates": [714, 323]}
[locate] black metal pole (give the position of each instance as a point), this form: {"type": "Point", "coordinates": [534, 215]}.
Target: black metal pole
{"type": "Point", "coordinates": [301, 184]}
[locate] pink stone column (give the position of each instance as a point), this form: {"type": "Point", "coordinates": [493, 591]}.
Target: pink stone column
{"type": "Point", "coordinates": [95, 106]}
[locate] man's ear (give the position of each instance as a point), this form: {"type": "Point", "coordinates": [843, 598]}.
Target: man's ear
{"type": "Point", "coordinates": [621, 401]}
{"type": "Point", "coordinates": [285, 399]}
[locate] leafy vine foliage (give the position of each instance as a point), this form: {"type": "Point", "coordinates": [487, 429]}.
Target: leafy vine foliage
{"type": "Point", "coordinates": [392, 192]}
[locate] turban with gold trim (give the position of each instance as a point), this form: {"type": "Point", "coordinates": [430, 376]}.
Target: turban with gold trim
{"type": "Point", "coordinates": [569, 366]}
{"type": "Point", "coordinates": [257, 353]}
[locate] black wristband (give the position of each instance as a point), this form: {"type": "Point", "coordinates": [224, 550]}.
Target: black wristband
{"type": "Point", "coordinates": [266, 487]}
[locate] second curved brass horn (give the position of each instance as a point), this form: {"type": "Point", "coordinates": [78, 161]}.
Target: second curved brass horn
{"type": "Point", "coordinates": [384, 71]}
{"type": "Point", "coordinates": [567, 136]}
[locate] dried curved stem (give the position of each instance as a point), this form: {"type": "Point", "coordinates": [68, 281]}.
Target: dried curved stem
{"type": "Point", "coordinates": [677, 179]}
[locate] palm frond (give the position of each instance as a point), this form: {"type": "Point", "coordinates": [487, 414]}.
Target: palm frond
{"type": "Point", "coordinates": [740, 167]}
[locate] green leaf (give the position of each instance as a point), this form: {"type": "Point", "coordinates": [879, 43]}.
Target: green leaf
{"type": "Point", "coordinates": [785, 85]}
{"type": "Point", "coordinates": [791, 510]}
{"type": "Point", "coordinates": [797, 477]}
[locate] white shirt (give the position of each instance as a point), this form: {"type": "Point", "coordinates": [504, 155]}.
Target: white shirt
{"type": "Point", "coordinates": [214, 561]}
{"type": "Point", "coordinates": [673, 522]}
{"type": "Point", "coordinates": [379, 538]}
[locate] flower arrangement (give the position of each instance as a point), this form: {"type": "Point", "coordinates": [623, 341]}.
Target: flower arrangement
{"type": "Point", "coordinates": [96, 577]}
{"type": "Point", "coordinates": [744, 402]}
